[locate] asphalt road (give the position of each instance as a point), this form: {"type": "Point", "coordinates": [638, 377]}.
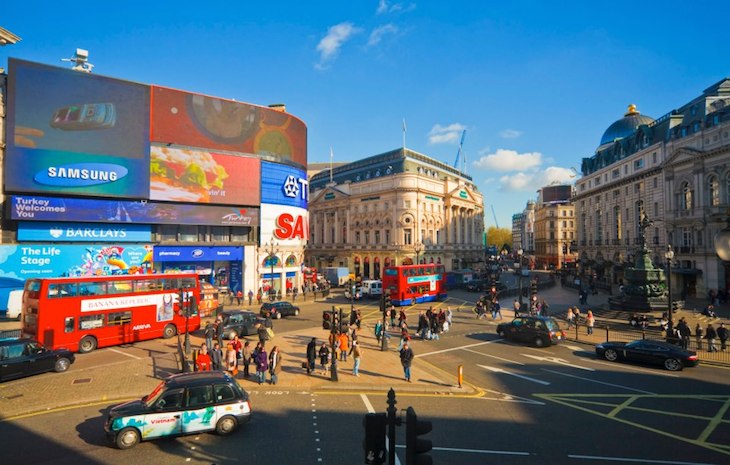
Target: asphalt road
{"type": "Point", "coordinates": [552, 405]}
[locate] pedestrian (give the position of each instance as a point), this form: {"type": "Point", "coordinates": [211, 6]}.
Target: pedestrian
{"type": "Point", "coordinates": [343, 344]}
{"type": "Point", "coordinates": [202, 361]}
{"type": "Point", "coordinates": [392, 316]}
{"type": "Point", "coordinates": [262, 364]}
{"type": "Point", "coordinates": [237, 346]}
{"type": "Point", "coordinates": [356, 356]}
{"type": "Point", "coordinates": [722, 335]}
{"type": "Point", "coordinates": [496, 310]}
{"type": "Point", "coordinates": [711, 335]}
{"type": "Point", "coordinates": [275, 361]}
{"type": "Point", "coordinates": [311, 355]}
{"type": "Point", "coordinates": [406, 358]}
{"type": "Point", "coordinates": [262, 333]}
{"type": "Point", "coordinates": [324, 357]}
{"type": "Point", "coordinates": [259, 296]}
{"type": "Point", "coordinates": [216, 357]}
{"type": "Point", "coordinates": [516, 307]}
{"type": "Point", "coordinates": [404, 336]}
{"type": "Point", "coordinates": [378, 330]}
{"type": "Point", "coordinates": [576, 313]}
{"type": "Point", "coordinates": [401, 317]}
{"type": "Point", "coordinates": [250, 297]}
{"type": "Point", "coordinates": [247, 356]}
{"type": "Point", "coordinates": [590, 321]}
{"type": "Point", "coordinates": [209, 333]}
{"type": "Point", "coordinates": [698, 336]}
{"type": "Point", "coordinates": [570, 317]}
{"type": "Point", "coordinates": [239, 296]}
{"type": "Point", "coordinates": [544, 307]}
{"type": "Point", "coordinates": [449, 316]}
{"type": "Point", "coordinates": [684, 333]}
{"type": "Point", "coordinates": [231, 365]}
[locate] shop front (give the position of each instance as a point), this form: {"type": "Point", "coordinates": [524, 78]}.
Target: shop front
{"type": "Point", "coordinates": [221, 266]}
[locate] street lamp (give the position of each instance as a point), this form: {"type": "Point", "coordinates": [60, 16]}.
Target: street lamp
{"type": "Point", "coordinates": [271, 251]}
{"type": "Point", "coordinates": [519, 254]}
{"type": "Point", "coordinates": [669, 255]}
{"type": "Point", "coordinates": [722, 241]}
{"type": "Point", "coordinates": [417, 247]}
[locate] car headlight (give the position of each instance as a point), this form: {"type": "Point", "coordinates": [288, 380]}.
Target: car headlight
{"type": "Point", "coordinates": [599, 346]}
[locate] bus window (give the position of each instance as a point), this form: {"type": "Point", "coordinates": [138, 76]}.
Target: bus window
{"type": "Point", "coordinates": [68, 324]}
{"type": "Point", "coordinates": [144, 285]}
{"type": "Point", "coordinates": [91, 322]}
{"type": "Point", "coordinates": [189, 283]}
{"type": "Point", "coordinates": [119, 287]}
{"type": "Point", "coordinates": [119, 318]}
{"type": "Point", "coordinates": [97, 288]}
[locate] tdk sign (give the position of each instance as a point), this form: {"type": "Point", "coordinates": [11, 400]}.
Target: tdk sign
{"type": "Point", "coordinates": [296, 187]}
{"type": "Point", "coordinates": [81, 174]}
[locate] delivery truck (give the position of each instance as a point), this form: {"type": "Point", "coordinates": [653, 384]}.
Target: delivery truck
{"type": "Point", "coordinates": [337, 275]}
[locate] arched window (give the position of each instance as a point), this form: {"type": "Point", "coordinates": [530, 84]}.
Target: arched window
{"type": "Point", "coordinates": [270, 260]}
{"type": "Point", "coordinates": [685, 196]}
{"type": "Point", "coordinates": [713, 191]}
{"type": "Point", "coordinates": [291, 260]}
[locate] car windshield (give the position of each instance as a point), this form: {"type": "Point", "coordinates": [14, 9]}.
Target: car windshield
{"type": "Point", "coordinates": [552, 325]}
{"type": "Point", "coordinates": [154, 395]}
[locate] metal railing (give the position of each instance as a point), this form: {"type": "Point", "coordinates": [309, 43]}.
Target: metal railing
{"type": "Point", "coordinates": [10, 334]}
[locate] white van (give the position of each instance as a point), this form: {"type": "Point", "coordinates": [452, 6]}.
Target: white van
{"type": "Point", "coordinates": [371, 288]}
{"type": "Point", "coordinates": [15, 303]}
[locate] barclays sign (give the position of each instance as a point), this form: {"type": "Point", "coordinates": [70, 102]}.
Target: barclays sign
{"type": "Point", "coordinates": [83, 232]}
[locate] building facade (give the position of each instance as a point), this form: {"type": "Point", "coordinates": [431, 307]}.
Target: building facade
{"type": "Point", "coordinates": [517, 230]}
{"type": "Point", "coordinates": [554, 228]}
{"type": "Point", "coordinates": [675, 171]}
{"type": "Point", "coordinates": [400, 207]}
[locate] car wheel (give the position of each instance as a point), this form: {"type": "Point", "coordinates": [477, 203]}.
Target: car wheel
{"type": "Point", "coordinates": [61, 365]}
{"type": "Point", "coordinates": [127, 438]}
{"type": "Point", "coordinates": [672, 364]}
{"type": "Point", "coordinates": [226, 425]}
{"type": "Point", "coordinates": [169, 331]}
{"type": "Point", "coordinates": [296, 312]}
{"type": "Point", "coordinates": [500, 332]}
{"type": "Point", "coordinates": [610, 355]}
{"type": "Point", "coordinates": [278, 315]}
{"type": "Point", "coordinates": [87, 344]}
{"type": "Point", "coordinates": [539, 342]}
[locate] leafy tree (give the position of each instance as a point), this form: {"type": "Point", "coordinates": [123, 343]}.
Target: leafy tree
{"type": "Point", "coordinates": [501, 237]}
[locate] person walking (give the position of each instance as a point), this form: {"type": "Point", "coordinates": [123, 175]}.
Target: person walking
{"type": "Point", "coordinates": [262, 364]}
{"type": "Point", "coordinates": [590, 321]}
{"type": "Point", "coordinates": [356, 356]}
{"type": "Point", "coordinates": [684, 333]}
{"type": "Point", "coordinates": [250, 297]}
{"type": "Point", "coordinates": [404, 336]}
{"type": "Point", "coordinates": [722, 335]}
{"type": "Point", "coordinates": [275, 361]}
{"type": "Point", "coordinates": [496, 310]}
{"type": "Point", "coordinates": [570, 317]}
{"type": "Point", "coordinates": [378, 330]}
{"type": "Point", "coordinates": [239, 296]}
{"type": "Point", "coordinates": [202, 361]}
{"type": "Point", "coordinates": [311, 355]}
{"type": "Point", "coordinates": [576, 314]}
{"type": "Point", "coordinates": [324, 357]}
{"type": "Point", "coordinates": [237, 346]}
{"type": "Point", "coordinates": [209, 333]}
{"type": "Point", "coordinates": [343, 344]}
{"type": "Point", "coordinates": [698, 336]}
{"type": "Point", "coordinates": [406, 358]}
{"type": "Point", "coordinates": [231, 365]}
{"type": "Point", "coordinates": [516, 307]}
{"type": "Point", "coordinates": [247, 357]}
{"type": "Point", "coordinates": [216, 357]}
{"type": "Point", "coordinates": [711, 335]}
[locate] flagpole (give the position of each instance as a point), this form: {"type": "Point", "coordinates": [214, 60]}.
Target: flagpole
{"type": "Point", "coordinates": [331, 157]}
{"type": "Point", "coordinates": [404, 133]}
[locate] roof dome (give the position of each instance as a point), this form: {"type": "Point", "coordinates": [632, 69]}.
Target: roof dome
{"type": "Point", "coordinates": [626, 125]}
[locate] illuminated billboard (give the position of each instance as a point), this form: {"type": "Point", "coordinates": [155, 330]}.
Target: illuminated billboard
{"type": "Point", "coordinates": [194, 120]}
{"type": "Point", "coordinates": [189, 175]}
{"type": "Point", "coordinates": [284, 185]}
{"type": "Point", "coordinates": [75, 133]}
{"type": "Point", "coordinates": [288, 226]}
{"type": "Point", "coordinates": [555, 194]}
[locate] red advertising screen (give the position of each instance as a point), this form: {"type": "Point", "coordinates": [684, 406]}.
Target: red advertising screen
{"type": "Point", "coordinates": [183, 118]}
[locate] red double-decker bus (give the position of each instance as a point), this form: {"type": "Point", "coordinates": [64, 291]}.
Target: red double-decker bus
{"type": "Point", "coordinates": [411, 284]}
{"type": "Point", "coordinates": [83, 313]}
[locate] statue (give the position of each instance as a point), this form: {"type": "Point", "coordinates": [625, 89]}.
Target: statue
{"type": "Point", "coordinates": [644, 223]}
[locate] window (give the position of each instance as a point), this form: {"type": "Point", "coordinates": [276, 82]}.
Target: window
{"type": "Point", "coordinates": [617, 222]}
{"type": "Point", "coordinates": [367, 237]}
{"type": "Point", "coordinates": [199, 396]}
{"type": "Point", "coordinates": [653, 158]}
{"type": "Point", "coordinates": [616, 173]}
{"type": "Point", "coordinates": [171, 400]}
{"type": "Point", "coordinates": [224, 392]}
{"type": "Point", "coordinates": [357, 237]}
{"type": "Point", "coordinates": [407, 237]}
{"type": "Point", "coordinates": [62, 290]}
{"type": "Point", "coordinates": [408, 204]}
{"type": "Point", "coordinates": [92, 288]}
{"type": "Point", "coordinates": [91, 322]}
{"type": "Point", "coordinates": [119, 318]}
{"type": "Point", "coordinates": [377, 237]}
{"type": "Point", "coordinates": [639, 164]}
{"type": "Point", "coordinates": [119, 287]}
{"type": "Point", "coordinates": [713, 187]}
{"type": "Point", "coordinates": [68, 324]}
{"type": "Point", "coordinates": [656, 182]}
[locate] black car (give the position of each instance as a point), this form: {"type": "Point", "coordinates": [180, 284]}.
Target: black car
{"type": "Point", "coordinates": [239, 322]}
{"type": "Point", "coordinates": [477, 286]}
{"type": "Point", "coordinates": [188, 403]}
{"type": "Point", "coordinates": [279, 309]}
{"type": "Point", "coordinates": [538, 330]}
{"type": "Point", "coordinates": [25, 357]}
{"type": "Point", "coordinates": [670, 356]}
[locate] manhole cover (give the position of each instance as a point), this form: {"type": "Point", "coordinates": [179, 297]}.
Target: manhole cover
{"type": "Point", "coordinates": [81, 381]}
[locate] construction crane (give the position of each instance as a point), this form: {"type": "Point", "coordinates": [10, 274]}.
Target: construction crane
{"type": "Point", "coordinates": [496, 223]}
{"type": "Point", "coordinates": [458, 153]}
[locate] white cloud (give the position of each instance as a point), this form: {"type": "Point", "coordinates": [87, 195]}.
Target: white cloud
{"type": "Point", "coordinates": [445, 134]}
{"type": "Point", "coordinates": [336, 36]}
{"type": "Point", "coordinates": [386, 7]}
{"type": "Point", "coordinates": [377, 35]}
{"type": "Point", "coordinates": [510, 133]}
{"type": "Point", "coordinates": [509, 160]}
{"type": "Point", "coordinates": [532, 181]}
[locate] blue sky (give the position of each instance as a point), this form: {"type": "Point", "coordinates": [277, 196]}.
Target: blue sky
{"type": "Point", "coordinates": [534, 84]}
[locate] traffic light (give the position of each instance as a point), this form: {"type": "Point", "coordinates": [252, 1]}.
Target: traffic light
{"type": "Point", "coordinates": [335, 320]}
{"type": "Point", "coordinates": [387, 302]}
{"type": "Point", "coordinates": [417, 449]}
{"type": "Point", "coordinates": [533, 287]}
{"type": "Point", "coordinates": [374, 444]}
{"type": "Point", "coordinates": [326, 319]}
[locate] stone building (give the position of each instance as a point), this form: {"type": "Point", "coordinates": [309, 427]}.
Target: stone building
{"type": "Point", "coordinates": [399, 207]}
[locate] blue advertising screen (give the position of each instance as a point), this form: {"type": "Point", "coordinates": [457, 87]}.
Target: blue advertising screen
{"type": "Point", "coordinates": [196, 254]}
{"type": "Point", "coordinates": [75, 132]}
{"type": "Point", "coordinates": [32, 208]}
{"type": "Point", "coordinates": [83, 232]}
{"type": "Point", "coordinates": [284, 185]}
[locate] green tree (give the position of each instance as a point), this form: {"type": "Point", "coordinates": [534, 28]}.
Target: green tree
{"type": "Point", "coordinates": [501, 237]}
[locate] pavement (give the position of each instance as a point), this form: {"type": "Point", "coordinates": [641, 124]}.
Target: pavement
{"type": "Point", "coordinates": [379, 370]}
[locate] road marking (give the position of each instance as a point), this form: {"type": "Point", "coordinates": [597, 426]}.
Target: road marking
{"type": "Point", "coordinates": [494, 356]}
{"type": "Point", "coordinates": [715, 422]}
{"type": "Point", "coordinates": [457, 348]}
{"type": "Point", "coordinates": [627, 459]}
{"type": "Point", "coordinates": [527, 378]}
{"type": "Point", "coordinates": [629, 367]}
{"type": "Point", "coordinates": [124, 353]}
{"type": "Point", "coordinates": [504, 397]}
{"type": "Point", "coordinates": [599, 382]}
{"type": "Point", "coordinates": [575, 348]}
{"type": "Point", "coordinates": [367, 403]}
{"type": "Point", "coordinates": [475, 451]}
{"type": "Point", "coordinates": [559, 361]}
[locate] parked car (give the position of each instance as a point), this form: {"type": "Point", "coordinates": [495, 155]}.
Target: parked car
{"type": "Point", "coordinates": [538, 330]}
{"type": "Point", "coordinates": [239, 322]}
{"type": "Point", "coordinates": [670, 356]}
{"type": "Point", "coordinates": [25, 357]}
{"type": "Point", "coordinates": [279, 309]}
{"type": "Point", "coordinates": [187, 403]}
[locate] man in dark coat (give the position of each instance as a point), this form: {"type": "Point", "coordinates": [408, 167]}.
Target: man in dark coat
{"type": "Point", "coordinates": [406, 357]}
{"type": "Point", "coordinates": [311, 355]}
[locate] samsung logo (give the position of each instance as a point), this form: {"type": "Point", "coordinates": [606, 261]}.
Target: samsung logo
{"type": "Point", "coordinates": [81, 174]}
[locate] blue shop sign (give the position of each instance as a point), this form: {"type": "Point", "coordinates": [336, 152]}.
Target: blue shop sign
{"type": "Point", "coordinates": [196, 254]}
{"type": "Point", "coordinates": [83, 232]}
{"type": "Point", "coordinates": [284, 185]}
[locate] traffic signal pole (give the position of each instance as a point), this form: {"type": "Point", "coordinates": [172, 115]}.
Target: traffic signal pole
{"type": "Point", "coordinates": [392, 411]}
{"type": "Point", "coordinates": [333, 336]}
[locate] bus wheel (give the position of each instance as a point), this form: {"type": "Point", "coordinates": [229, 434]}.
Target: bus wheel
{"type": "Point", "coordinates": [87, 344]}
{"type": "Point", "coordinates": [169, 331]}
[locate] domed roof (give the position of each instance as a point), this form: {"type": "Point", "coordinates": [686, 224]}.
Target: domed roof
{"type": "Point", "coordinates": [625, 126]}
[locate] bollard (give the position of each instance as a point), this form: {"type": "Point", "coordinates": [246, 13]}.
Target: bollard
{"type": "Point", "coordinates": [460, 374]}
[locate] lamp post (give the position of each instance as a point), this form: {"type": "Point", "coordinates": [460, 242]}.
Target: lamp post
{"type": "Point", "coordinates": [417, 247]}
{"type": "Point", "coordinates": [519, 277]}
{"type": "Point", "coordinates": [722, 241]}
{"type": "Point", "coordinates": [271, 250]}
{"type": "Point", "coordinates": [669, 255]}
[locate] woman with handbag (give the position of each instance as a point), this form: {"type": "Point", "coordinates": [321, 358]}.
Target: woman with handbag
{"type": "Point", "coordinates": [231, 364]}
